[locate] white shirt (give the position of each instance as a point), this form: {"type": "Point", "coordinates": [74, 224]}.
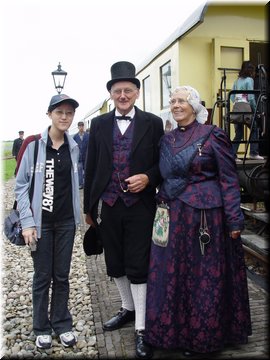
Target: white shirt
{"type": "Point", "coordinates": [124, 124]}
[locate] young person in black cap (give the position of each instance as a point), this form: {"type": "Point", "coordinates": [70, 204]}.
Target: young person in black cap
{"type": "Point", "coordinates": [49, 221]}
{"type": "Point", "coordinates": [121, 176]}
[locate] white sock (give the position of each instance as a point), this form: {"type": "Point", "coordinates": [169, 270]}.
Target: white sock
{"type": "Point", "coordinates": [139, 298]}
{"type": "Point", "coordinates": [123, 285]}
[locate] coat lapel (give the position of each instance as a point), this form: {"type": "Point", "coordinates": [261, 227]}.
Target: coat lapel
{"type": "Point", "coordinates": [107, 130]}
{"type": "Point", "coordinates": [141, 126]}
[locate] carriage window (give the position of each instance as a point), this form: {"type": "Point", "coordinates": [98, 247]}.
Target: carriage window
{"type": "Point", "coordinates": [165, 80]}
{"type": "Point", "coordinates": [146, 94]}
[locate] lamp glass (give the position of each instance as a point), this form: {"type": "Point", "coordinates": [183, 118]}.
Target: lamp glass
{"type": "Point", "coordinates": [59, 78]}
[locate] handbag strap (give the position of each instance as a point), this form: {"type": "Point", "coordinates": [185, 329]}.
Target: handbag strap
{"type": "Point", "coordinates": [200, 146]}
{"type": "Point", "coordinates": [35, 162]}
{"type": "Point", "coordinates": [31, 191]}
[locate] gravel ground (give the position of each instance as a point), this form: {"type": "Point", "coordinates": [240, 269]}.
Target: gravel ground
{"type": "Point", "coordinates": [18, 340]}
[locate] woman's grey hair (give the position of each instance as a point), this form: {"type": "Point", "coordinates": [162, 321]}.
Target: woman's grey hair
{"type": "Point", "coordinates": [194, 100]}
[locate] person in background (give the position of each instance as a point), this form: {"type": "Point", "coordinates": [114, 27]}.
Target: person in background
{"type": "Point", "coordinates": [17, 143]}
{"type": "Point", "coordinates": [50, 221]}
{"type": "Point", "coordinates": [121, 176]}
{"type": "Point", "coordinates": [197, 294]}
{"type": "Point", "coordinates": [245, 81]}
{"type": "Point", "coordinates": [81, 139]}
{"type": "Point", "coordinates": [168, 126]}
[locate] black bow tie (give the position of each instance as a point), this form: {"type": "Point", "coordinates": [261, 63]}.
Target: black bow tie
{"type": "Point", "coordinates": [123, 117]}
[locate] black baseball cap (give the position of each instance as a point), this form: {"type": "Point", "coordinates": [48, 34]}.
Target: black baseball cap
{"type": "Point", "coordinates": [58, 99]}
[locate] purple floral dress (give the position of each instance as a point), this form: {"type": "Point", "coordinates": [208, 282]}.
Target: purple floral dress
{"type": "Point", "coordinates": [199, 302]}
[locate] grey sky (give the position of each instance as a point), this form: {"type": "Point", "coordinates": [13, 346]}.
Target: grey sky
{"type": "Point", "coordinates": [87, 37]}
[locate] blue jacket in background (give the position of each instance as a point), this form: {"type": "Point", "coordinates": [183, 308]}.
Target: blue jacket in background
{"type": "Point", "coordinates": [82, 145]}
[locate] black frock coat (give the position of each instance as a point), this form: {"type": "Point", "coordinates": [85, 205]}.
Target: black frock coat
{"type": "Point", "coordinates": [148, 129]}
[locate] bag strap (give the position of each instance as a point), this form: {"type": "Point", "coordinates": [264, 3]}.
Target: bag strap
{"type": "Point", "coordinates": [35, 162]}
{"type": "Point", "coordinates": [31, 191]}
{"type": "Point", "coordinates": [200, 146]}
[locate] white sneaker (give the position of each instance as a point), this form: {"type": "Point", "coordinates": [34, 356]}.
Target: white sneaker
{"type": "Point", "coordinates": [68, 339]}
{"type": "Point", "coordinates": [44, 341]}
{"type": "Point", "coordinates": [238, 161]}
{"type": "Point", "coordinates": [256, 157]}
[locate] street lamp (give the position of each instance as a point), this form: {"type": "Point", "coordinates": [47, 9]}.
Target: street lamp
{"type": "Point", "coordinates": [59, 78]}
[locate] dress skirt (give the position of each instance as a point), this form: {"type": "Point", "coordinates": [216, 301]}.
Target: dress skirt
{"type": "Point", "coordinates": [197, 302]}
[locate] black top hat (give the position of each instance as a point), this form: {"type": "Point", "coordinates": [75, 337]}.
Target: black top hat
{"type": "Point", "coordinates": [123, 71]}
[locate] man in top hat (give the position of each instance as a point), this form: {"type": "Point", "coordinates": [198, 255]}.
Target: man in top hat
{"type": "Point", "coordinates": [121, 176]}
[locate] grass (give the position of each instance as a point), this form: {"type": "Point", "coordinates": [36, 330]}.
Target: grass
{"type": "Point", "coordinates": [7, 148]}
{"type": "Point", "coordinates": [9, 166]}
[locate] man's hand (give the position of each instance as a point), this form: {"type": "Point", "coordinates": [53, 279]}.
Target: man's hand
{"type": "Point", "coordinates": [137, 183]}
{"type": "Point", "coordinates": [89, 220]}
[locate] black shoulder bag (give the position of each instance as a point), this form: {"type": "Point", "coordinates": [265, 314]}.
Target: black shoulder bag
{"type": "Point", "coordinates": [12, 223]}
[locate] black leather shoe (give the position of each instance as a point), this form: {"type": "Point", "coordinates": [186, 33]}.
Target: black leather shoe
{"type": "Point", "coordinates": [124, 316]}
{"type": "Point", "coordinates": [188, 353]}
{"type": "Point", "coordinates": [143, 350]}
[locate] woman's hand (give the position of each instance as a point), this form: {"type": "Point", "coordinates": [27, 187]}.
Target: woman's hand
{"type": "Point", "coordinates": [30, 236]}
{"type": "Point", "coordinates": [235, 234]}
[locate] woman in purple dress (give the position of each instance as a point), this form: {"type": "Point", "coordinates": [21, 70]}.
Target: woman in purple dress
{"type": "Point", "coordinates": [197, 294]}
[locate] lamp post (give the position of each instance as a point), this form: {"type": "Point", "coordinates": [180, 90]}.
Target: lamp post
{"type": "Point", "coordinates": [59, 78]}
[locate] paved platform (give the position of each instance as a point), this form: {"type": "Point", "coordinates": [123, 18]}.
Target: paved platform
{"type": "Point", "coordinates": [92, 308]}
{"type": "Point", "coordinates": [120, 344]}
